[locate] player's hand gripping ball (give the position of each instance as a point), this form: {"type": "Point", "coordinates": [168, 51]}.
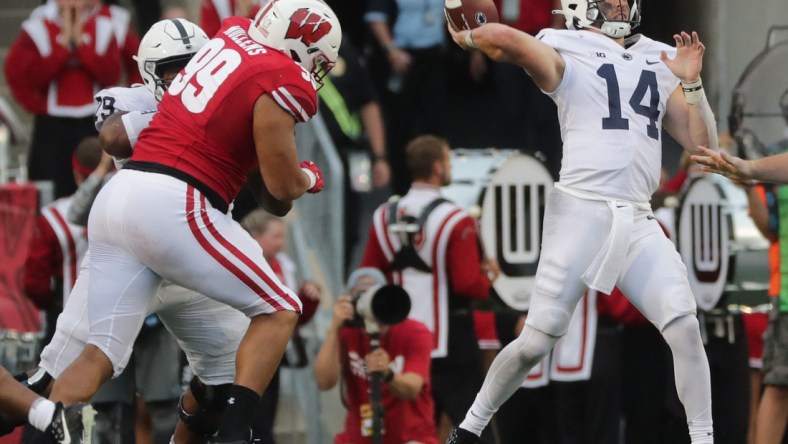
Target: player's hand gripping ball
{"type": "Point", "coordinates": [469, 14]}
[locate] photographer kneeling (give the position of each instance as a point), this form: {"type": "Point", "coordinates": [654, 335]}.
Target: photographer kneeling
{"type": "Point", "coordinates": [373, 314]}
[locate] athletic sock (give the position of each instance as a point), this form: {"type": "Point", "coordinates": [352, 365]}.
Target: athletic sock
{"type": "Point", "coordinates": [701, 432]}
{"type": "Point", "coordinates": [242, 405]}
{"type": "Point", "coordinates": [40, 414]}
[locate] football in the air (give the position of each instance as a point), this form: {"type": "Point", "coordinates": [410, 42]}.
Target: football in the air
{"type": "Point", "coordinates": [469, 14]}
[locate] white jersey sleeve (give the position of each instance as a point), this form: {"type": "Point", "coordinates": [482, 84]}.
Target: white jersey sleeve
{"type": "Point", "coordinates": [136, 121]}
{"type": "Point", "coordinates": [611, 102]}
{"type": "Point", "coordinates": [111, 100]}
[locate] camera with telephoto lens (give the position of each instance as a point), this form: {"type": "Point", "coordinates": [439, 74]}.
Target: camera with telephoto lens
{"type": "Point", "coordinates": [380, 305]}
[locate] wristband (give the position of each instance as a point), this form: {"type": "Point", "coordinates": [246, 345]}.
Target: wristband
{"type": "Point", "coordinates": [312, 177]}
{"type": "Point", "coordinates": [693, 92]}
{"type": "Point", "coordinates": [469, 40]}
{"type": "Point", "coordinates": [388, 376]}
{"type": "Point", "coordinates": [376, 157]}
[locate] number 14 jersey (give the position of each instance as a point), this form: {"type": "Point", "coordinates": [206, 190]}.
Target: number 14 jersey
{"type": "Point", "coordinates": [611, 103]}
{"type": "Point", "coordinates": [204, 125]}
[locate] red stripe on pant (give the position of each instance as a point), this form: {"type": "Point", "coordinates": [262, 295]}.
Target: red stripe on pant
{"type": "Point", "coordinates": [219, 257]}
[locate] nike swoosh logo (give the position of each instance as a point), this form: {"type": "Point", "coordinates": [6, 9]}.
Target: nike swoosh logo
{"type": "Point", "coordinates": [66, 433]}
{"type": "Point", "coordinates": [650, 217]}
{"type": "Point", "coordinates": [649, 62]}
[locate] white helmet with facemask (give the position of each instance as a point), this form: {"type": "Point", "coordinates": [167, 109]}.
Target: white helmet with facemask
{"type": "Point", "coordinates": [307, 31]}
{"type": "Point", "coordinates": [601, 14]}
{"type": "Point", "coordinates": [168, 44]}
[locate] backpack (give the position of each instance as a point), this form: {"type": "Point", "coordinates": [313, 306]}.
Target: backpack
{"type": "Point", "coordinates": [406, 227]}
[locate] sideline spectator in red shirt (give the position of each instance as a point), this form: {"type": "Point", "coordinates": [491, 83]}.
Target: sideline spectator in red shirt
{"type": "Point", "coordinates": [63, 55]}
{"type": "Point", "coordinates": [404, 359]}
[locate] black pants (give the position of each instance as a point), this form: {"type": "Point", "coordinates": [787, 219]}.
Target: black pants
{"type": "Point", "coordinates": [53, 143]}
{"type": "Point", "coordinates": [588, 412]}
{"type": "Point", "coordinates": [646, 366]}
{"type": "Point", "coordinates": [458, 377]}
{"type": "Point", "coordinates": [528, 416]}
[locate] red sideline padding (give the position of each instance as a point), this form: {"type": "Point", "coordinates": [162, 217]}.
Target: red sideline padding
{"type": "Point", "coordinates": [18, 208]}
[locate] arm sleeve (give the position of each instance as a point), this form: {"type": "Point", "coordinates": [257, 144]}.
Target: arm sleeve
{"type": "Point", "coordinates": [28, 72]}
{"type": "Point", "coordinates": [41, 265]}
{"type": "Point", "coordinates": [83, 200]}
{"type": "Point", "coordinates": [136, 121]}
{"type": "Point", "coordinates": [464, 261]}
{"type": "Point", "coordinates": [417, 358]}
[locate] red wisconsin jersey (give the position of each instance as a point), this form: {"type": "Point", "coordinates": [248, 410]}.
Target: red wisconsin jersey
{"type": "Point", "coordinates": [204, 125]}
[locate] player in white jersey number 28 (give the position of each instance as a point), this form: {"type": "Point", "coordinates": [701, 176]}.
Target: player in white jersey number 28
{"type": "Point", "coordinates": [615, 92]}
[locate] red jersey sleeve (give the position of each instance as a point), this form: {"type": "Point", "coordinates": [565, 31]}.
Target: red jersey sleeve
{"type": "Point", "coordinates": [209, 18]}
{"type": "Point", "coordinates": [300, 102]}
{"type": "Point", "coordinates": [463, 260]}
{"type": "Point", "coordinates": [28, 72]}
{"type": "Point", "coordinates": [419, 347]}
{"type": "Point", "coordinates": [373, 253]}
{"type": "Point", "coordinates": [42, 263]}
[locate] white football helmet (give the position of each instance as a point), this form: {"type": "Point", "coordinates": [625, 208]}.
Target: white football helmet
{"type": "Point", "coordinates": [591, 13]}
{"type": "Point", "coordinates": [168, 44]}
{"type": "Point", "coordinates": [307, 31]}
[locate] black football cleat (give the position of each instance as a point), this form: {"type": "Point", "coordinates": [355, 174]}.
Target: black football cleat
{"type": "Point", "coordinates": [72, 424]}
{"type": "Point", "coordinates": [462, 436]}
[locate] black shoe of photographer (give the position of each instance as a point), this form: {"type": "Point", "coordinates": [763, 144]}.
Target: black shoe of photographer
{"type": "Point", "coordinates": [72, 424]}
{"type": "Point", "coordinates": [462, 436]}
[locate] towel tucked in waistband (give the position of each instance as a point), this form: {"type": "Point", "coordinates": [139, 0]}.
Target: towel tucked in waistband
{"type": "Point", "coordinates": [604, 270]}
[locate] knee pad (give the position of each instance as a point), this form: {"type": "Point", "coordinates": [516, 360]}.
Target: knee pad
{"type": "Point", "coordinates": [533, 345]}
{"type": "Point", "coordinates": [211, 401]}
{"type": "Point", "coordinates": [681, 329]}
{"type": "Point", "coordinates": [549, 320]}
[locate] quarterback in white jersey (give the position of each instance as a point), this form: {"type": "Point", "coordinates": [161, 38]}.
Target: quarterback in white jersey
{"type": "Point", "coordinates": [615, 93]}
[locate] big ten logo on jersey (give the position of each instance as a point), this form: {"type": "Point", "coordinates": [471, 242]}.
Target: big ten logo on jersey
{"type": "Point", "coordinates": [511, 225]}
{"type": "Point", "coordinates": [704, 240]}
{"type": "Point", "coordinates": [204, 74]}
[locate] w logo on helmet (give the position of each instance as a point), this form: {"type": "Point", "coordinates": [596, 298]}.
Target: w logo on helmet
{"type": "Point", "coordinates": [307, 26]}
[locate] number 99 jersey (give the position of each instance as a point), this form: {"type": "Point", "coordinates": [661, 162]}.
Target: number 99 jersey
{"type": "Point", "coordinates": [611, 103]}
{"type": "Point", "coordinates": [204, 125]}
